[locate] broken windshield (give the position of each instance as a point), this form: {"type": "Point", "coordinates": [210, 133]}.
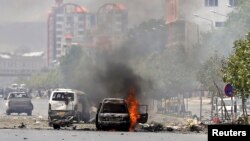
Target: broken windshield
{"type": "Point", "coordinates": [114, 108]}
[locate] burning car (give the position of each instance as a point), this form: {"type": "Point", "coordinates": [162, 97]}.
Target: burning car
{"type": "Point", "coordinates": [115, 113]}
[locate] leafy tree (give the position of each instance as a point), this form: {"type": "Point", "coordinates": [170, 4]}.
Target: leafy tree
{"type": "Point", "coordinates": [237, 70]}
{"type": "Point", "coordinates": [210, 73]}
{"type": "Point", "coordinates": [46, 80]}
{"type": "Point", "coordinates": [171, 71]}
{"type": "Point", "coordinates": [69, 64]}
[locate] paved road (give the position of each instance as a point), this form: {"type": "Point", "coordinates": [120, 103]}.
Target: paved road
{"type": "Point", "coordinates": [60, 135]}
{"type": "Point", "coordinates": [40, 107]}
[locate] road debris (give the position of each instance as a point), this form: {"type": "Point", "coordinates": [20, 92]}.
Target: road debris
{"type": "Point", "coordinates": [22, 125]}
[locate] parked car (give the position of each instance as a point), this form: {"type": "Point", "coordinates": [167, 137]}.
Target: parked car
{"type": "Point", "coordinates": [113, 113]}
{"type": "Point", "coordinates": [67, 106]}
{"type": "Point", "coordinates": [18, 102]}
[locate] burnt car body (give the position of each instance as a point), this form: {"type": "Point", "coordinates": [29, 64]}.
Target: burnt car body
{"type": "Point", "coordinates": [113, 113]}
{"type": "Point", "coordinates": [19, 102]}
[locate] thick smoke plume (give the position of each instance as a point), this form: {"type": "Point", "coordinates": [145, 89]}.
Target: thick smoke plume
{"type": "Point", "coordinates": [106, 73]}
{"type": "Point", "coordinates": [115, 77]}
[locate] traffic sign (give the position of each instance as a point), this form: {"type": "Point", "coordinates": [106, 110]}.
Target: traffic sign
{"type": "Point", "coordinates": [229, 91]}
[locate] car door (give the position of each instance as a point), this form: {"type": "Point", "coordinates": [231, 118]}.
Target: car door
{"type": "Point", "coordinates": [143, 111]}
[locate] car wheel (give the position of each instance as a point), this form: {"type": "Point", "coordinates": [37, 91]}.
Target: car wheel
{"type": "Point", "coordinates": [126, 128]}
{"type": "Point", "coordinates": [8, 113]}
{"type": "Point", "coordinates": [56, 126]}
{"type": "Point", "coordinates": [98, 127]}
{"type": "Point", "coordinates": [78, 118]}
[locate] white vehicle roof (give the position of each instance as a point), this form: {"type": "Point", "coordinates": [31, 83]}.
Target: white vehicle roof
{"type": "Point", "coordinates": [67, 90]}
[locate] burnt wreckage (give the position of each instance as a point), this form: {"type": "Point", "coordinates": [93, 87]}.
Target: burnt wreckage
{"type": "Point", "coordinates": [113, 113]}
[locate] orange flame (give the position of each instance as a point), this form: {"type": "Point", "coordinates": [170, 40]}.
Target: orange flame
{"type": "Point", "coordinates": [133, 109]}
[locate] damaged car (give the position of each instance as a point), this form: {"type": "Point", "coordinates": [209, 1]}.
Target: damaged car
{"type": "Point", "coordinates": [113, 113]}
{"type": "Point", "coordinates": [67, 106]}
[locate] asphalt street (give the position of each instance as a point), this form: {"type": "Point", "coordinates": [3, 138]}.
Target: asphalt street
{"type": "Point", "coordinates": [63, 135]}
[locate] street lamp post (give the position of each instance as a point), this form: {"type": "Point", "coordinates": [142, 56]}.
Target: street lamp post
{"type": "Point", "coordinates": [211, 21]}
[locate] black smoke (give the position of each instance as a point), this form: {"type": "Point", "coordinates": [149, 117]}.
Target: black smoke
{"type": "Point", "coordinates": [114, 76]}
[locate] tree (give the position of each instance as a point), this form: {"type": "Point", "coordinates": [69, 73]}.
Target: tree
{"type": "Point", "coordinates": [210, 73]}
{"type": "Point", "coordinates": [237, 70]}
{"type": "Point", "coordinates": [46, 80]}
{"type": "Point", "coordinates": [69, 64]}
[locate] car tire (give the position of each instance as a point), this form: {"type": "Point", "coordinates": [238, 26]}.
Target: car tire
{"type": "Point", "coordinates": [78, 118]}
{"type": "Point", "coordinates": [56, 126]}
{"type": "Point", "coordinates": [98, 127]}
{"type": "Point", "coordinates": [8, 113]}
{"type": "Point", "coordinates": [126, 128]}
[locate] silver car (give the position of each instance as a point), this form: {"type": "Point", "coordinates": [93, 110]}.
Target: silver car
{"type": "Point", "coordinates": [18, 102]}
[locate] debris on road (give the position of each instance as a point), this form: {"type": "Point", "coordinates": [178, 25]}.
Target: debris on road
{"type": "Point", "coordinates": [195, 126]}
{"type": "Point", "coordinates": [152, 127]}
{"type": "Point", "coordinates": [22, 125]}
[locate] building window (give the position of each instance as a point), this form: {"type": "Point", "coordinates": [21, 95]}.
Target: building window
{"type": "Point", "coordinates": [59, 26]}
{"type": "Point", "coordinates": [59, 18]}
{"type": "Point", "coordinates": [211, 2]}
{"type": "Point", "coordinates": [58, 46]}
{"type": "Point", "coordinates": [80, 32]}
{"type": "Point", "coordinates": [58, 39]}
{"type": "Point", "coordinates": [58, 51]}
{"type": "Point", "coordinates": [59, 32]}
{"type": "Point", "coordinates": [80, 25]}
{"type": "Point", "coordinates": [219, 24]}
{"type": "Point", "coordinates": [70, 19]}
{"type": "Point", "coordinates": [233, 2]}
{"type": "Point", "coordinates": [81, 18]}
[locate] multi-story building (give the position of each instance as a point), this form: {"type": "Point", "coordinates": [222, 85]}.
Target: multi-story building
{"type": "Point", "coordinates": [21, 64]}
{"type": "Point", "coordinates": [185, 19]}
{"type": "Point", "coordinates": [68, 24]}
{"type": "Point", "coordinates": [208, 14]}
{"type": "Point", "coordinates": [213, 13]}
{"type": "Point", "coordinates": [112, 24]}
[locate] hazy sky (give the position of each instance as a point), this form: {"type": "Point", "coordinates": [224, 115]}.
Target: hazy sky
{"type": "Point", "coordinates": [23, 22]}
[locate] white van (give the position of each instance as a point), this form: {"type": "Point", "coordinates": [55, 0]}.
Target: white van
{"type": "Point", "coordinates": [65, 104]}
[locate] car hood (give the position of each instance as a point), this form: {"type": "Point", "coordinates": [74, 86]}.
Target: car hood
{"type": "Point", "coordinates": [114, 114]}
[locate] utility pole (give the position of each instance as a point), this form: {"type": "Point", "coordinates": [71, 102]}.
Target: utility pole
{"type": "Point", "coordinates": [201, 104]}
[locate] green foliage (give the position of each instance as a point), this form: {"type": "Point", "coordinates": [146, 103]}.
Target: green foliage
{"type": "Point", "coordinates": [237, 70]}
{"type": "Point", "coordinates": [69, 65]}
{"type": "Point", "coordinates": [172, 71]}
{"type": "Point", "coordinates": [46, 80]}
